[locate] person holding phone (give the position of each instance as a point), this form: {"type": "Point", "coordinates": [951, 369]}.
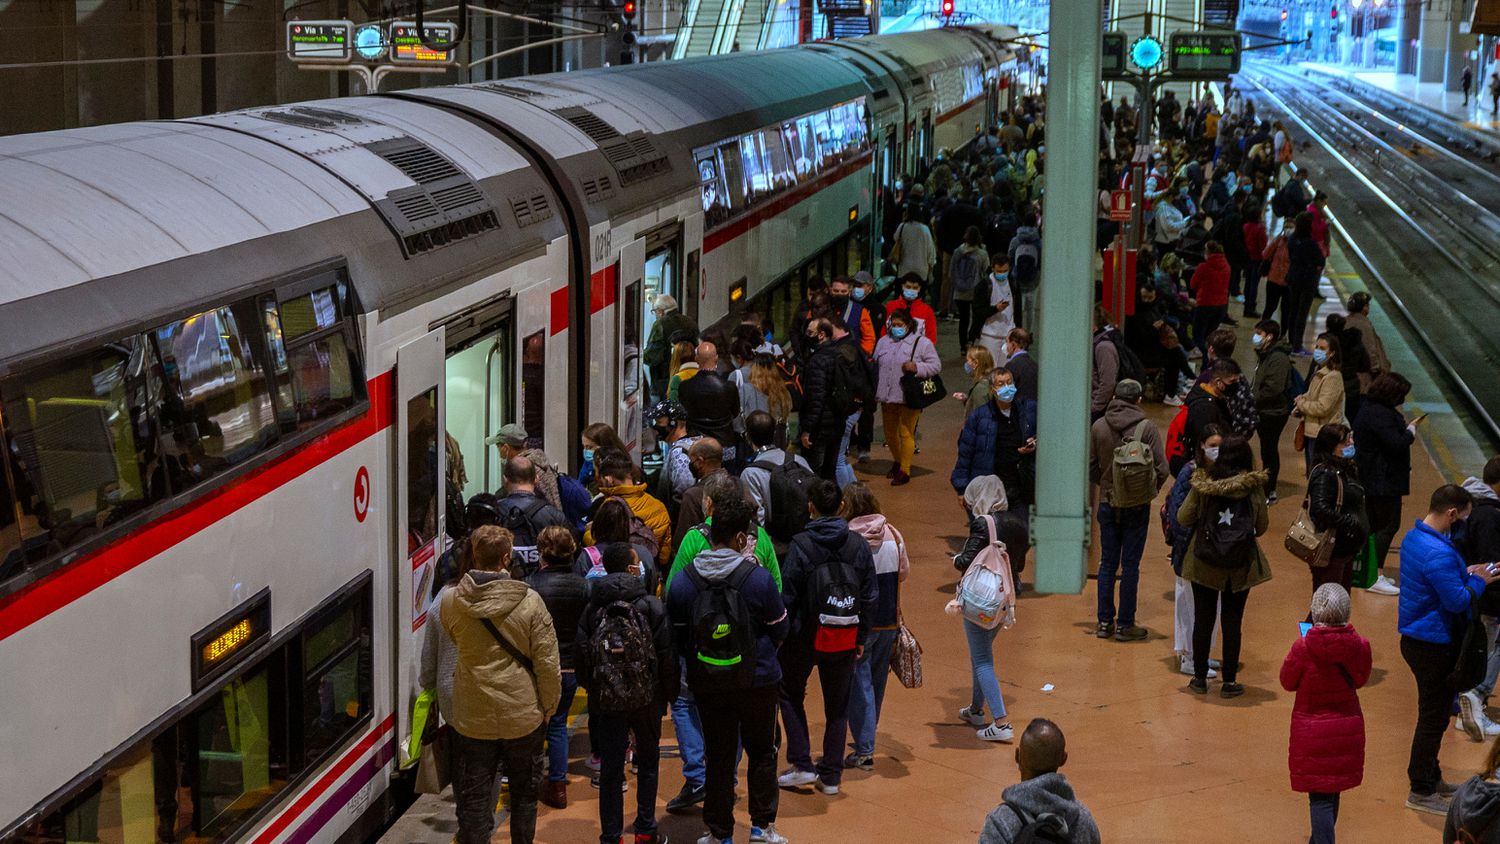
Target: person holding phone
{"type": "Point", "coordinates": [1384, 457]}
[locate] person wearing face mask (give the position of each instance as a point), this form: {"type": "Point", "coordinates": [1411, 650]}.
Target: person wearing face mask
{"type": "Point", "coordinates": [1000, 440]}
{"type": "Point", "coordinates": [1336, 501]}
{"type": "Point", "coordinates": [1207, 406]}
{"type": "Point", "coordinates": [595, 438]}
{"type": "Point", "coordinates": [1001, 320]}
{"type": "Point", "coordinates": [853, 311]}
{"type": "Point", "coordinates": [825, 419]}
{"type": "Point", "coordinates": [1385, 439]}
{"type": "Point", "coordinates": [864, 293]}
{"type": "Point", "coordinates": [902, 350]}
{"type": "Point", "coordinates": [1273, 373]}
{"type": "Point", "coordinates": [910, 301]}
{"type": "Point", "coordinates": [977, 365]}
{"type": "Point", "coordinates": [1178, 537]}
{"type": "Point", "coordinates": [1438, 591]}
{"type": "Point", "coordinates": [1323, 402]}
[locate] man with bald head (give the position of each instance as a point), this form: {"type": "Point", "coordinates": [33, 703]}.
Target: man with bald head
{"type": "Point", "coordinates": [1043, 797]}
{"type": "Point", "coordinates": [706, 459]}
{"type": "Point", "coordinates": [713, 404]}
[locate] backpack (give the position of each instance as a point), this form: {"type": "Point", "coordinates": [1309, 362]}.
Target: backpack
{"type": "Point", "coordinates": [1177, 440]}
{"type": "Point", "coordinates": [1296, 382]}
{"type": "Point", "coordinates": [965, 272]}
{"type": "Point", "coordinates": [517, 518]}
{"type": "Point", "coordinates": [623, 657]}
{"type": "Point", "coordinates": [790, 482]}
{"type": "Point", "coordinates": [791, 378]}
{"type": "Point", "coordinates": [1134, 471]}
{"type": "Point", "coordinates": [1046, 828]}
{"type": "Point", "coordinates": [851, 390]}
{"type": "Point", "coordinates": [641, 534]}
{"type": "Point", "coordinates": [831, 601]}
{"type": "Point", "coordinates": [986, 595]}
{"type": "Point", "coordinates": [1130, 362]}
{"type": "Point", "coordinates": [721, 639]}
{"type": "Point", "coordinates": [1283, 204]}
{"type": "Point", "coordinates": [1026, 269]}
{"type": "Point", "coordinates": [1226, 532]}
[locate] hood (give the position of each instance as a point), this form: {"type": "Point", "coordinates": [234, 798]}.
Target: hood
{"type": "Point", "coordinates": [1217, 262]}
{"type": "Point", "coordinates": [1282, 343]}
{"type": "Point", "coordinates": [487, 594]}
{"type": "Point", "coordinates": [1199, 393]}
{"type": "Point", "coordinates": [717, 563]}
{"type": "Point", "coordinates": [1028, 233]}
{"type": "Point", "coordinates": [1475, 807]}
{"type": "Point", "coordinates": [1048, 794]}
{"type": "Point", "coordinates": [871, 527]}
{"type": "Point", "coordinates": [1481, 491]}
{"type": "Point", "coordinates": [620, 586]}
{"type": "Point", "coordinates": [1235, 486]}
{"type": "Point", "coordinates": [624, 490]}
{"type": "Point", "coordinates": [828, 531]}
{"type": "Point", "coordinates": [1123, 416]}
{"type": "Point", "coordinates": [1329, 645]}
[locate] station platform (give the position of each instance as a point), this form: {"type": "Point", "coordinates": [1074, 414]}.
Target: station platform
{"type": "Point", "coordinates": [1431, 96]}
{"type": "Point", "coordinates": [1152, 761]}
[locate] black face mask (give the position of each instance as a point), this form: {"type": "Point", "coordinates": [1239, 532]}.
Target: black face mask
{"type": "Point", "coordinates": [662, 433]}
{"type": "Point", "coordinates": [839, 302]}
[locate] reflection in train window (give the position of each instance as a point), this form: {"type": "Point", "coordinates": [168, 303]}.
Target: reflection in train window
{"type": "Point", "coordinates": [534, 388]}
{"type": "Point", "coordinates": [336, 689]}
{"type": "Point", "coordinates": [239, 760]}
{"type": "Point", "coordinates": [421, 470]}
{"type": "Point", "coordinates": [631, 359]}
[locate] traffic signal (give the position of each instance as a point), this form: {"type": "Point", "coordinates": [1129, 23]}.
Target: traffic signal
{"type": "Point", "coordinates": [628, 11]}
{"type": "Point", "coordinates": [947, 8]}
{"type": "Point", "coordinates": [1333, 13]}
{"type": "Point", "coordinates": [1283, 15]}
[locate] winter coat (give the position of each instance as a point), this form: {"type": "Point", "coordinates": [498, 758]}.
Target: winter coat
{"type": "Point", "coordinates": [1255, 240]}
{"type": "Point", "coordinates": [762, 600]}
{"type": "Point", "coordinates": [695, 542]}
{"type": "Point", "coordinates": [892, 565]}
{"type": "Point", "coordinates": [920, 311]}
{"type": "Point", "coordinates": [1323, 402]}
{"type": "Point", "coordinates": [826, 538]}
{"type": "Point", "coordinates": [981, 264]}
{"type": "Point", "coordinates": [1323, 505]}
{"type": "Point", "coordinates": [1011, 528]}
{"type": "Point", "coordinates": [891, 353]}
{"type": "Point", "coordinates": [649, 510]}
{"type": "Point", "coordinates": [1326, 667]}
{"type": "Point", "coordinates": [758, 480]}
{"type": "Point", "coordinates": [1306, 259]}
{"type": "Point", "coordinates": [1474, 814]}
{"type": "Point", "coordinates": [624, 586]}
{"type": "Point", "coordinates": [712, 404]}
{"type": "Point", "coordinates": [658, 352]}
{"type": "Point", "coordinates": [566, 595]}
{"type": "Point", "coordinates": [1239, 405]}
{"type": "Point", "coordinates": [816, 418]}
{"type": "Point", "coordinates": [1179, 534]}
{"type": "Point", "coordinates": [494, 697]}
{"type": "Point", "coordinates": [918, 250]}
{"type": "Point", "coordinates": [1269, 383]}
{"type": "Point", "coordinates": [1436, 587]}
{"type": "Point", "coordinates": [1048, 794]}
{"type": "Point", "coordinates": [1196, 507]}
{"type": "Point", "coordinates": [976, 442]}
{"type": "Point", "coordinates": [1119, 421]}
{"type": "Point", "coordinates": [1374, 348]}
{"type": "Point", "coordinates": [1023, 370]}
{"type": "Point", "coordinates": [1481, 540]}
{"type": "Point", "coordinates": [1106, 369]}
{"type": "Point", "coordinates": [1383, 449]}
{"type": "Point", "coordinates": [1278, 260]}
{"type": "Point", "coordinates": [439, 660]}
{"type": "Point", "coordinates": [1210, 284]}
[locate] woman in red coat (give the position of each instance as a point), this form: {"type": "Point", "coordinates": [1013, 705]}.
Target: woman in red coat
{"type": "Point", "coordinates": [1325, 668]}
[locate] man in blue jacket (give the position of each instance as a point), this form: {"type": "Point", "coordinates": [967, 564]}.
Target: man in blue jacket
{"type": "Point", "coordinates": [1000, 439]}
{"type": "Point", "coordinates": [1437, 593]}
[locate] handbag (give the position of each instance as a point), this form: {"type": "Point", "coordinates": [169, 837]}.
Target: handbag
{"type": "Point", "coordinates": [1306, 542]}
{"type": "Point", "coordinates": [432, 766]}
{"type": "Point", "coordinates": [906, 656]}
{"type": "Point", "coordinates": [1299, 437]}
{"type": "Point", "coordinates": [920, 393]}
{"type": "Point", "coordinates": [1473, 654]}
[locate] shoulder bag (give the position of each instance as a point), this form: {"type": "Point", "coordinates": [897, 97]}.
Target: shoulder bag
{"type": "Point", "coordinates": [1306, 542]}
{"type": "Point", "coordinates": [906, 656]}
{"type": "Point", "coordinates": [521, 659]}
{"type": "Point", "coordinates": [919, 393]}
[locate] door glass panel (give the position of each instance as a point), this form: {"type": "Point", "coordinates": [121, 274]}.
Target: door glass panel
{"type": "Point", "coordinates": [240, 759]}
{"type": "Point", "coordinates": [635, 313]}
{"type": "Point", "coordinates": [421, 470]}
{"type": "Point", "coordinates": [534, 388]}
{"type": "Point", "coordinates": [478, 404]}
{"type": "Point", "coordinates": [120, 808]}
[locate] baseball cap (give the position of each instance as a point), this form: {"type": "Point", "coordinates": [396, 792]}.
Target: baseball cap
{"type": "Point", "coordinates": [511, 434]}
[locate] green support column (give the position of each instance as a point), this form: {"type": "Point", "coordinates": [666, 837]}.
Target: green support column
{"type": "Point", "coordinates": [1064, 354]}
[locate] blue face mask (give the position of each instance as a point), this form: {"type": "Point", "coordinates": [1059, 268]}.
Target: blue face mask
{"type": "Point", "coordinates": [1006, 393]}
{"type": "Point", "coordinates": [858, 293]}
{"type": "Point", "coordinates": [968, 368]}
{"type": "Point", "coordinates": [1001, 276]}
{"type": "Point", "coordinates": [588, 455]}
{"type": "Point", "coordinates": [768, 338]}
{"type": "Point", "coordinates": [1347, 452]}
{"type": "Point", "coordinates": [908, 294]}
{"type": "Point", "coordinates": [1256, 340]}
{"type": "Point", "coordinates": [898, 331]}
{"type": "Point", "coordinates": [1320, 355]}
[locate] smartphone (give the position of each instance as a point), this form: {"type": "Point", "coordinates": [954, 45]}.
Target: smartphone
{"type": "Point", "coordinates": [1421, 417]}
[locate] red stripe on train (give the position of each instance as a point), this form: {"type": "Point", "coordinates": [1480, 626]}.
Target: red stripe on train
{"type": "Point", "coordinates": [962, 107]}
{"type": "Point", "coordinates": [602, 289]}
{"type": "Point", "coordinates": [311, 795]}
{"type": "Point", "coordinates": [738, 226]}
{"type": "Point", "coordinates": [80, 577]}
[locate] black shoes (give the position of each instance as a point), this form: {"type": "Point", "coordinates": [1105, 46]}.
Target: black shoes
{"type": "Point", "coordinates": [690, 796]}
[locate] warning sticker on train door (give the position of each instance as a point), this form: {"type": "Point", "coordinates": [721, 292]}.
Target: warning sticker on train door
{"type": "Point", "coordinates": [421, 583]}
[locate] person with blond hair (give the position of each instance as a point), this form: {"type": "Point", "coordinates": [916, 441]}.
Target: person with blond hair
{"type": "Point", "coordinates": [978, 363]}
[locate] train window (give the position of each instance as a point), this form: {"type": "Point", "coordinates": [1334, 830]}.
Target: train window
{"type": "Point", "coordinates": [422, 470]}
{"type": "Point", "coordinates": [631, 360]}
{"type": "Point", "coordinates": [534, 388]}
{"type": "Point", "coordinates": [754, 168]}
{"type": "Point", "coordinates": [315, 311]}
{"type": "Point", "coordinates": [336, 676]}
{"type": "Point", "coordinates": [310, 339]}
{"type": "Point", "coordinates": [120, 807]}
{"type": "Point", "coordinates": [12, 555]}
{"type": "Point", "coordinates": [238, 761]}
{"type": "Point", "coordinates": [732, 174]}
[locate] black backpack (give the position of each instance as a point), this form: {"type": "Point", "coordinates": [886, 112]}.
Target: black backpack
{"type": "Point", "coordinates": [1226, 532]}
{"type": "Point", "coordinates": [790, 482]}
{"type": "Point", "coordinates": [851, 390]}
{"type": "Point", "coordinates": [831, 601]}
{"type": "Point", "coordinates": [1026, 270]}
{"type": "Point", "coordinates": [1130, 363]}
{"type": "Point", "coordinates": [722, 636]}
{"type": "Point", "coordinates": [517, 519]}
{"type": "Point", "coordinates": [623, 657]}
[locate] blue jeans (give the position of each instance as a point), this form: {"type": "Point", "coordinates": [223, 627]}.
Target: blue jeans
{"type": "Point", "coordinates": [689, 739]}
{"type": "Point", "coordinates": [1122, 540]}
{"type": "Point", "coordinates": [557, 730]}
{"type": "Point", "coordinates": [1486, 686]}
{"type": "Point", "coordinates": [1323, 810]}
{"type": "Point", "coordinates": [870, 674]}
{"type": "Point", "coordinates": [986, 688]}
{"type": "Point", "coordinates": [843, 474]}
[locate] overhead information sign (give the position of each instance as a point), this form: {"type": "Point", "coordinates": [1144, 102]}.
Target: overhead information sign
{"type": "Point", "coordinates": [1203, 55]}
{"type": "Point", "coordinates": [408, 49]}
{"type": "Point", "coordinates": [1145, 53]}
{"type": "Point", "coordinates": [1113, 64]}
{"type": "Point", "coordinates": [327, 42]}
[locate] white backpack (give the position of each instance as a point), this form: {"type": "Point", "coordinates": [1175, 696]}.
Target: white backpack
{"type": "Point", "coordinates": [986, 595]}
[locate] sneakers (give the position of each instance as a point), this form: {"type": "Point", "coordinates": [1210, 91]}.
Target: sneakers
{"type": "Point", "coordinates": [1470, 711]}
{"type": "Point", "coordinates": [1384, 586]}
{"type": "Point", "coordinates": [973, 717]}
{"type": "Point", "coordinates": [1271, 499]}
{"type": "Point", "coordinates": [1172, 401]}
{"type": "Point", "coordinates": [828, 788]}
{"type": "Point", "coordinates": [690, 796]}
{"type": "Point", "coordinates": [794, 778]}
{"type": "Point", "coordinates": [593, 763]}
{"type": "Point", "coordinates": [649, 838]}
{"type": "Point", "coordinates": [997, 732]}
{"type": "Point", "coordinates": [594, 781]}
{"type": "Point", "coordinates": [768, 835]}
{"type": "Point", "coordinates": [555, 794]}
{"type": "Point", "coordinates": [1229, 690]}
{"type": "Point", "coordinates": [1446, 789]}
{"type": "Point", "coordinates": [1131, 633]}
{"type": "Point", "coordinates": [1491, 729]}
{"type": "Point", "coordinates": [1432, 804]}
{"type": "Point", "coordinates": [1198, 687]}
{"type": "Point", "coordinates": [863, 456]}
{"type": "Point", "coordinates": [709, 838]}
{"type": "Point", "coordinates": [862, 761]}
{"type": "Point", "coordinates": [900, 478]}
{"type": "Point", "coordinates": [1105, 629]}
{"type": "Point", "coordinates": [1185, 665]}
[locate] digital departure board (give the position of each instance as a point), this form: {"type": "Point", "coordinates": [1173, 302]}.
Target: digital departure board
{"type": "Point", "coordinates": [1113, 64]}
{"type": "Point", "coordinates": [408, 49]}
{"type": "Point", "coordinates": [223, 644]}
{"type": "Point", "coordinates": [1203, 55]}
{"type": "Point", "coordinates": [326, 42]}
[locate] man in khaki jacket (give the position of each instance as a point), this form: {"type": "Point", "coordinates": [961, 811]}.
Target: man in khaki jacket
{"type": "Point", "coordinates": [507, 683]}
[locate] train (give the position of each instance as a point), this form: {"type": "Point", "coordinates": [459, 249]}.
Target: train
{"type": "Point", "coordinates": [241, 355]}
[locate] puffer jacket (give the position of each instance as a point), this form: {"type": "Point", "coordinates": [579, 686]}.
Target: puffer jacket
{"type": "Point", "coordinates": [888, 548]}
{"type": "Point", "coordinates": [1210, 284]}
{"type": "Point", "coordinates": [1437, 591]}
{"type": "Point", "coordinates": [1481, 541]}
{"type": "Point", "coordinates": [1270, 381]}
{"type": "Point", "coordinates": [1121, 420]}
{"type": "Point", "coordinates": [1384, 449]}
{"type": "Point", "coordinates": [1474, 814]}
{"type": "Point", "coordinates": [649, 510]}
{"type": "Point", "coordinates": [1326, 753]}
{"type": "Point", "coordinates": [1196, 506]}
{"type": "Point", "coordinates": [976, 442]}
{"type": "Point", "coordinates": [623, 586]}
{"type": "Point", "coordinates": [1323, 505]}
{"type": "Point", "coordinates": [566, 594]}
{"type": "Point", "coordinates": [494, 697]}
{"type": "Point", "coordinates": [1178, 534]}
{"type": "Point", "coordinates": [1323, 402]}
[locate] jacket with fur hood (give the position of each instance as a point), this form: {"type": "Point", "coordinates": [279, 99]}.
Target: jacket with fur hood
{"type": "Point", "coordinates": [624, 586]}
{"type": "Point", "coordinates": [1201, 494]}
{"type": "Point", "coordinates": [1048, 794]}
{"type": "Point", "coordinates": [1474, 814]}
{"type": "Point", "coordinates": [1121, 420]}
{"type": "Point", "coordinates": [494, 697]}
{"type": "Point", "coordinates": [1326, 668]}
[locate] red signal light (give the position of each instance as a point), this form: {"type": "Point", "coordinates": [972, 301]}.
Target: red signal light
{"type": "Point", "coordinates": [629, 8]}
{"type": "Point", "coordinates": [1333, 13]}
{"type": "Point", "coordinates": [947, 8]}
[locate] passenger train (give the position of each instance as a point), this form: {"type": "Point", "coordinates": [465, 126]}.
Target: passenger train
{"type": "Point", "coordinates": [240, 355]}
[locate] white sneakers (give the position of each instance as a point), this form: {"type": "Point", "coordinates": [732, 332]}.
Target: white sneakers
{"type": "Point", "coordinates": [973, 717]}
{"type": "Point", "coordinates": [1384, 586]}
{"type": "Point", "coordinates": [1185, 665]}
{"type": "Point", "coordinates": [768, 835]}
{"type": "Point", "coordinates": [1472, 719]}
{"type": "Point", "coordinates": [794, 778]}
{"type": "Point", "coordinates": [997, 732]}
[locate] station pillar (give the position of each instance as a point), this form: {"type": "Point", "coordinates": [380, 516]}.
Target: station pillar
{"type": "Point", "coordinates": [1460, 44]}
{"type": "Point", "coordinates": [1409, 24]}
{"type": "Point", "coordinates": [1432, 47]}
{"type": "Point", "coordinates": [1061, 522]}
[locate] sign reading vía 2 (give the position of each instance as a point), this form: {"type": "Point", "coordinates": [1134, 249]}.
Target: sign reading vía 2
{"type": "Point", "coordinates": [1205, 54]}
{"type": "Point", "coordinates": [341, 41]}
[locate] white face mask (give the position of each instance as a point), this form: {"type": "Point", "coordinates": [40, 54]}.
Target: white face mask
{"type": "Point", "coordinates": [1212, 453]}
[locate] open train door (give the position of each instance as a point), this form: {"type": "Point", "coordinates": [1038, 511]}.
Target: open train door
{"type": "Point", "coordinates": [632, 281]}
{"type": "Point", "coordinates": [421, 456]}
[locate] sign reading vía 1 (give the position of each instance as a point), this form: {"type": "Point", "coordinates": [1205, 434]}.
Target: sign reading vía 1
{"type": "Point", "coordinates": [319, 41]}
{"type": "Point", "coordinates": [340, 42]}
{"type": "Point", "coordinates": [1205, 54]}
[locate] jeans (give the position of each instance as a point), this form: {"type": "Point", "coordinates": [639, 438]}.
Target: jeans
{"type": "Point", "coordinates": [969, 320]}
{"type": "Point", "coordinates": [864, 432]}
{"type": "Point", "coordinates": [1122, 540]}
{"type": "Point", "coordinates": [1228, 608]}
{"type": "Point", "coordinates": [729, 718]}
{"type": "Point", "coordinates": [476, 769]}
{"type": "Point", "coordinates": [1299, 302]}
{"type": "Point", "coordinates": [1430, 664]}
{"type": "Point", "coordinates": [984, 686]}
{"type": "Point", "coordinates": [614, 737]}
{"type": "Point", "coordinates": [1275, 297]}
{"type": "Point", "coordinates": [1252, 285]}
{"type": "Point", "coordinates": [689, 728]}
{"type": "Point", "coordinates": [1269, 430]}
{"type": "Point", "coordinates": [900, 432]}
{"type": "Point", "coordinates": [1492, 669]}
{"type": "Point", "coordinates": [1384, 512]}
{"type": "Point", "coordinates": [1324, 809]}
{"type": "Point", "coordinates": [1205, 319]}
{"type": "Point", "coordinates": [843, 473]}
{"type": "Point", "coordinates": [557, 730]}
{"type": "Point", "coordinates": [870, 673]}
{"type": "Point", "coordinates": [836, 676]}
